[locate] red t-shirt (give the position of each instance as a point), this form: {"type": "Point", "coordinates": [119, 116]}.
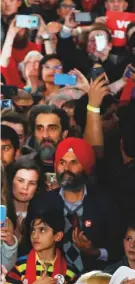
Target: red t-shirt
{"type": "Point", "coordinates": [11, 74]}
{"type": "Point", "coordinates": [19, 54]}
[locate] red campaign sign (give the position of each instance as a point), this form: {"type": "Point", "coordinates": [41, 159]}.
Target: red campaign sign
{"type": "Point", "coordinates": [117, 22]}
{"type": "Point", "coordinates": [129, 91]}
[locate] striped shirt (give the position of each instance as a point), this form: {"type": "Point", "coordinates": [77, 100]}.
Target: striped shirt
{"type": "Point", "coordinates": [17, 274]}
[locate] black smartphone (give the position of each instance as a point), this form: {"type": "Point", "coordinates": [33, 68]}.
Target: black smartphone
{"type": "Point", "coordinates": [97, 71]}
{"type": "Point", "coordinates": [9, 91]}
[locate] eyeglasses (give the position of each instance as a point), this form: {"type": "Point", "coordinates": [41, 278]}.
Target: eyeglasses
{"type": "Point", "coordinates": [65, 6]}
{"type": "Point", "coordinates": [51, 128]}
{"type": "Point", "coordinates": [59, 67]}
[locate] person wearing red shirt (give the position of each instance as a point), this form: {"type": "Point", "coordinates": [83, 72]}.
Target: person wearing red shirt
{"type": "Point", "coordinates": [15, 48]}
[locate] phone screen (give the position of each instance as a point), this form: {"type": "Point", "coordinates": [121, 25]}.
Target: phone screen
{"type": "Point", "coordinates": [2, 216]}
{"type": "Point", "coordinates": [5, 104]}
{"type": "Point", "coordinates": [100, 42]}
{"type": "Point", "coordinates": [65, 79]}
{"type": "Point", "coordinates": [27, 21]}
{"type": "Point", "coordinates": [97, 71]}
{"type": "Point", "coordinates": [127, 74]}
{"type": "Point", "coordinates": [83, 17]}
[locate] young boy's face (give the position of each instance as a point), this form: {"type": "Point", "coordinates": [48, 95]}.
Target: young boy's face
{"type": "Point", "coordinates": [129, 244]}
{"type": "Point", "coordinates": [42, 236]}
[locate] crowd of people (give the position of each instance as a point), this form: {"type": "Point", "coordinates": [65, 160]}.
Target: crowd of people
{"type": "Point", "coordinates": [68, 141]}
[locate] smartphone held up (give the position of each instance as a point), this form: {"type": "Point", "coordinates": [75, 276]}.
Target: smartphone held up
{"type": "Point", "coordinates": [3, 213]}
{"type": "Point", "coordinates": [65, 79]}
{"type": "Point", "coordinates": [27, 21]}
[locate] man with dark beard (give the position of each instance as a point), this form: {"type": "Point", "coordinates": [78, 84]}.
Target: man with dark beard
{"type": "Point", "coordinates": [49, 125]}
{"type": "Point", "coordinates": [90, 217]}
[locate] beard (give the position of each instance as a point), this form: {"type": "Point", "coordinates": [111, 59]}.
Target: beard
{"type": "Point", "coordinates": [71, 182]}
{"type": "Point", "coordinates": [46, 149]}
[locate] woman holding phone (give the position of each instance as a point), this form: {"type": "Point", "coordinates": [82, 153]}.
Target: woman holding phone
{"type": "Point", "coordinates": [49, 66]}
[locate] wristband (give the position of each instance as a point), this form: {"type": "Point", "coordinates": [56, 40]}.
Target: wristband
{"type": "Point", "coordinates": [93, 109]}
{"type": "Point", "coordinates": [79, 30]}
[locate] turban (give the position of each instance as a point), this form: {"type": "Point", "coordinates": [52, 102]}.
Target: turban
{"type": "Point", "coordinates": [83, 151]}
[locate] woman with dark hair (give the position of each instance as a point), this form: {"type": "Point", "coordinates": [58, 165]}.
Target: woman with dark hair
{"type": "Point", "coordinates": [49, 66]}
{"type": "Point", "coordinates": [24, 182]}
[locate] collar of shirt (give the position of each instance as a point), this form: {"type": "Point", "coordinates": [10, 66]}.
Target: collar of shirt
{"type": "Point", "coordinates": [45, 264]}
{"type": "Point", "coordinates": [71, 205]}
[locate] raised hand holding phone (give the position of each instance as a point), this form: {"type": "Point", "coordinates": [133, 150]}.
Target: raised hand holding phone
{"type": "Point", "coordinates": [6, 234]}
{"type": "Point", "coordinates": [27, 21]}
{"type": "Point", "coordinates": [98, 90]}
{"type": "Point", "coordinates": [82, 83]}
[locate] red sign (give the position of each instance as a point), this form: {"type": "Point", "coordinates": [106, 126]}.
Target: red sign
{"type": "Point", "coordinates": [129, 91]}
{"type": "Point", "coordinates": [117, 22]}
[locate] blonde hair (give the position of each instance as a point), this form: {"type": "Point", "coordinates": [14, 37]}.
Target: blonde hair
{"type": "Point", "coordinates": [94, 277]}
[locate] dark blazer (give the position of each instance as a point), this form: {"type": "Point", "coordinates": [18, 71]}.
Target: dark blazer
{"type": "Point", "coordinates": [105, 228]}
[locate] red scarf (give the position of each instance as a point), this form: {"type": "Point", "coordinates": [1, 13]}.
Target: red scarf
{"type": "Point", "coordinates": [60, 266]}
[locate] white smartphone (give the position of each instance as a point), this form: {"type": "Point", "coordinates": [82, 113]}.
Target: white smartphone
{"type": "Point", "coordinates": [27, 21]}
{"type": "Point", "coordinates": [100, 42]}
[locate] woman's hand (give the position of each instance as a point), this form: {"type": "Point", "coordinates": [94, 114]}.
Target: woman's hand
{"type": "Point", "coordinates": [3, 274]}
{"type": "Point", "coordinates": [13, 29]}
{"type": "Point", "coordinates": [82, 82]}
{"type": "Point", "coordinates": [6, 234]}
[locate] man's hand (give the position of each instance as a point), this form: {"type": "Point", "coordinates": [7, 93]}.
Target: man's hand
{"type": "Point", "coordinates": [6, 235]}
{"type": "Point", "coordinates": [82, 82]}
{"type": "Point", "coordinates": [101, 20]}
{"type": "Point", "coordinates": [44, 279]}
{"type": "Point", "coordinates": [98, 90]}
{"type": "Point", "coordinates": [81, 240]}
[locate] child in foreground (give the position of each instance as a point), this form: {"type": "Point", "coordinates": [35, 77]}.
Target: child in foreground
{"type": "Point", "coordinates": [45, 263]}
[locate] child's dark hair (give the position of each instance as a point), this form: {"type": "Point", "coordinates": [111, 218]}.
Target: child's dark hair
{"type": "Point", "coordinates": [129, 226]}
{"type": "Point", "coordinates": [8, 133]}
{"type": "Point", "coordinates": [47, 216]}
